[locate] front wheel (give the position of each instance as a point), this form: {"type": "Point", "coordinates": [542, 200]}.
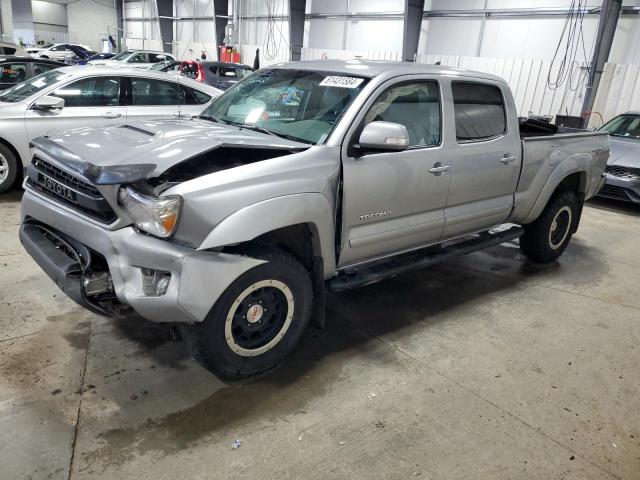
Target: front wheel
{"type": "Point", "coordinates": [8, 168]}
{"type": "Point", "coordinates": [258, 320]}
{"type": "Point", "coordinates": [545, 239]}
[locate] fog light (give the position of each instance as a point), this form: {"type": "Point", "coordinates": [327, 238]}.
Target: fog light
{"type": "Point", "coordinates": [163, 284]}
{"type": "Point", "coordinates": [155, 282]}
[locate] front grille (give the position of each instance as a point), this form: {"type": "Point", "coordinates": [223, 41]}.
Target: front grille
{"type": "Point", "coordinates": [628, 173]}
{"type": "Point", "coordinates": [69, 190]}
{"type": "Point", "coordinates": [611, 191]}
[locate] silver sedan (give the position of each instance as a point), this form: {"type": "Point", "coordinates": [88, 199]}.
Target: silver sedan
{"type": "Point", "coordinates": [74, 97]}
{"type": "Point", "coordinates": [623, 169]}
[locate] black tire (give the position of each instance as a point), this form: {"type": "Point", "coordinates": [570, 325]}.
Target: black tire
{"type": "Point", "coordinates": [545, 239]}
{"type": "Point", "coordinates": [10, 162]}
{"type": "Point", "coordinates": [229, 358]}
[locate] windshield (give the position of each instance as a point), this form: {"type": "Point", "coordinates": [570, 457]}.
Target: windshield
{"type": "Point", "coordinates": [121, 56]}
{"type": "Point", "coordinates": [34, 85]}
{"type": "Point", "coordinates": [623, 126]}
{"type": "Point", "coordinates": [300, 105]}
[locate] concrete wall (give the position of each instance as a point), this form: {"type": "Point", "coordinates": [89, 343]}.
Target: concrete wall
{"type": "Point", "coordinates": [49, 13]}
{"type": "Point", "coordinates": [49, 21]}
{"type": "Point", "coordinates": [88, 21]}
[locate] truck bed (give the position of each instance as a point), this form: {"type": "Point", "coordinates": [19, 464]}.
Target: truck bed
{"type": "Point", "coordinates": [557, 154]}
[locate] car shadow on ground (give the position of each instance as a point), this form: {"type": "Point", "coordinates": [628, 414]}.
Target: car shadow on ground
{"type": "Point", "coordinates": [617, 206]}
{"type": "Point", "coordinates": [351, 339]}
{"type": "Point", "coordinates": [12, 196]}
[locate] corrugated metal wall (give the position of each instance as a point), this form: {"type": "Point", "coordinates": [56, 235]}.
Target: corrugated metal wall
{"type": "Point", "coordinates": [619, 89]}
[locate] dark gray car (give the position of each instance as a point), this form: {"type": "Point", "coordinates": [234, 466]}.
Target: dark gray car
{"type": "Point", "coordinates": [623, 168]}
{"type": "Point", "coordinates": [14, 70]}
{"type": "Point", "coordinates": [217, 74]}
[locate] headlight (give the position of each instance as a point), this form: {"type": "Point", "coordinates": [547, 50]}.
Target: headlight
{"type": "Point", "coordinates": [155, 215]}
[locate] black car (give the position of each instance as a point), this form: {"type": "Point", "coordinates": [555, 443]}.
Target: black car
{"type": "Point", "coordinates": [14, 70]}
{"type": "Point", "coordinates": [95, 56]}
{"type": "Point", "coordinates": [217, 74]}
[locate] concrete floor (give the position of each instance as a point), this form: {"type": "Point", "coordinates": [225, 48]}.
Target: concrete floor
{"type": "Point", "coordinates": [486, 367]}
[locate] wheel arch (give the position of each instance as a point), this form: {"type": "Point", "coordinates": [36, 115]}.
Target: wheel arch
{"type": "Point", "coordinates": [574, 179]}
{"type": "Point", "coordinates": [302, 224]}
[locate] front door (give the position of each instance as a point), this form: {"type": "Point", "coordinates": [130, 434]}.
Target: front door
{"type": "Point", "coordinates": [486, 159]}
{"type": "Point", "coordinates": [391, 200]}
{"type": "Point", "coordinates": [89, 102]}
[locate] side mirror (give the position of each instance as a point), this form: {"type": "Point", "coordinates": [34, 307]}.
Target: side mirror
{"type": "Point", "coordinates": [48, 103]}
{"type": "Point", "coordinates": [385, 136]}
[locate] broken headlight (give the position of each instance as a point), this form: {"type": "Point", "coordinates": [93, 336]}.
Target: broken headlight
{"type": "Point", "coordinates": [155, 215]}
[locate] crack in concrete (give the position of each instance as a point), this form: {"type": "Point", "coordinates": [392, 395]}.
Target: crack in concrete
{"type": "Point", "coordinates": [77, 425]}
{"type": "Point", "coordinates": [39, 332]}
{"type": "Point", "coordinates": [473, 392]}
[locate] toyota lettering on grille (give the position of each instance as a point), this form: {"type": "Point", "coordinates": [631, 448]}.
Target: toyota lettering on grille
{"type": "Point", "coordinates": [56, 187]}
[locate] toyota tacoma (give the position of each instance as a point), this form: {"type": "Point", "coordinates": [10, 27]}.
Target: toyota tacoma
{"type": "Point", "coordinates": [303, 177]}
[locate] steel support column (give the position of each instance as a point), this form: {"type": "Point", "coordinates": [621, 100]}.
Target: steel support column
{"type": "Point", "coordinates": [165, 9]}
{"type": "Point", "coordinates": [413, 10]}
{"type": "Point", "coordinates": [119, 25]}
{"type": "Point", "coordinates": [609, 14]}
{"type": "Point", "coordinates": [221, 12]}
{"type": "Point", "coordinates": [296, 27]}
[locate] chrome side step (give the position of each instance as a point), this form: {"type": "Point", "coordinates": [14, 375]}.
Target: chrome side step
{"type": "Point", "coordinates": [406, 262]}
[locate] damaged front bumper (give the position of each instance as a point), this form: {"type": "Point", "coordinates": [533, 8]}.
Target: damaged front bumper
{"type": "Point", "coordinates": [62, 242]}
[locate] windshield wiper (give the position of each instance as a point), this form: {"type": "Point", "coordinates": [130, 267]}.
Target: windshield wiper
{"type": "Point", "coordinates": [257, 128]}
{"type": "Point", "coordinates": [211, 119]}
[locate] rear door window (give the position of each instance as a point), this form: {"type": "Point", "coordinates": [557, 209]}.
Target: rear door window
{"type": "Point", "coordinates": [150, 92]}
{"type": "Point", "coordinates": [227, 72]}
{"type": "Point", "coordinates": [479, 111]}
{"type": "Point", "coordinates": [158, 57]}
{"type": "Point", "coordinates": [91, 92]}
{"type": "Point", "coordinates": [39, 68]}
{"type": "Point", "coordinates": [138, 58]}
{"type": "Point", "coordinates": [194, 97]}
{"type": "Point", "coordinates": [13, 72]}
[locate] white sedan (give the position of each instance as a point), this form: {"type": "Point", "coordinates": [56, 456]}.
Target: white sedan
{"type": "Point", "coordinates": [60, 51]}
{"type": "Point", "coordinates": [72, 97]}
{"type": "Point", "coordinates": [134, 58]}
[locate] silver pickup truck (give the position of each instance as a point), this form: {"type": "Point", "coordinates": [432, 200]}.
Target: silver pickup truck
{"type": "Point", "coordinates": [303, 177]}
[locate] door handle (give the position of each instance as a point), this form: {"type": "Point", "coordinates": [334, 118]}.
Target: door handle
{"type": "Point", "coordinates": [111, 115]}
{"type": "Point", "coordinates": [439, 169]}
{"type": "Point", "coordinates": [507, 159]}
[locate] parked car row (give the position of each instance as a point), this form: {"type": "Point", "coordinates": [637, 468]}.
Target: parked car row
{"type": "Point", "coordinates": [71, 97]}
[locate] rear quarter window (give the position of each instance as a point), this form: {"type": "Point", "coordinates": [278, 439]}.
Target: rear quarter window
{"type": "Point", "coordinates": [479, 111]}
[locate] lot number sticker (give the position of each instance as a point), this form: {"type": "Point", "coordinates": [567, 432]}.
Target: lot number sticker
{"type": "Point", "coordinates": [343, 82]}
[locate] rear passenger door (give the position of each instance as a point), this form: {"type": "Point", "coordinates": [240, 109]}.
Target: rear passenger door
{"type": "Point", "coordinates": [149, 99]}
{"type": "Point", "coordinates": [486, 158]}
{"type": "Point", "coordinates": [395, 201]}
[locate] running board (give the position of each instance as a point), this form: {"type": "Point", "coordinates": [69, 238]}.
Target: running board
{"type": "Point", "coordinates": [406, 262]}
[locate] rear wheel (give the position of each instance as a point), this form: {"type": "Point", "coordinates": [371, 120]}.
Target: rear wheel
{"type": "Point", "coordinates": [545, 239]}
{"type": "Point", "coordinates": [8, 168]}
{"type": "Point", "coordinates": [258, 320]}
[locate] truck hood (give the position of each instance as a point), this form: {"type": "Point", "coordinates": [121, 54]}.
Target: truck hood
{"type": "Point", "coordinates": [142, 150]}
{"type": "Point", "coordinates": [625, 152]}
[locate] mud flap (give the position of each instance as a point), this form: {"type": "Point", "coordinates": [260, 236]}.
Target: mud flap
{"type": "Point", "coordinates": [576, 222]}
{"type": "Point", "coordinates": [319, 293]}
